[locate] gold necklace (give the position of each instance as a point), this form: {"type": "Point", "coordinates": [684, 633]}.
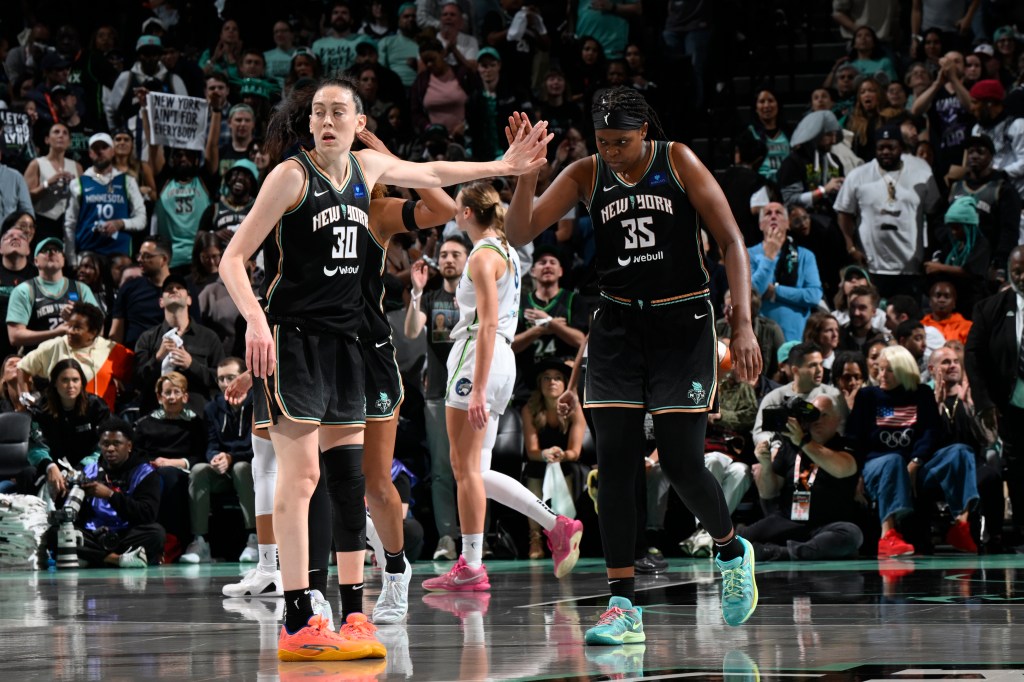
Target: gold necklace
{"type": "Point", "coordinates": [890, 185]}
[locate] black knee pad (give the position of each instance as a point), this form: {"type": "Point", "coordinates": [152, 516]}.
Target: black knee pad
{"type": "Point", "coordinates": [347, 487]}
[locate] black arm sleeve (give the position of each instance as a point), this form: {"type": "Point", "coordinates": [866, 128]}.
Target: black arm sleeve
{"type": "Point", "coordinates": [409, 216]}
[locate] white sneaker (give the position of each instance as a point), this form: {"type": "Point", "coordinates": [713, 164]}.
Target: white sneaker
{"type": "Point", "coordinates": [395, 639]}
{"type": "Point", "coordinates": [197, 552]}
{"type": "Point", "coordinates": [256, 583]}
{"type": "Point", "coordinates": [251, 553]}
{"type": "Point", "coordinates": [321, 606]}
{"type": "Point", "coordinates": [259, 610]}
{"type": "Point", "coordinates": [133, 558]}
{"type": "Point", "coordinates": [703, 545]}
{"type": "Point", "coordinates": [393, 602]}
{"type": "Point", "coordinates": [445, 549]}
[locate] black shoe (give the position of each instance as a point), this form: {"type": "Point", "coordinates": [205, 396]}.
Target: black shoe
{"type": "Point", "coordinates": [770, 552]}
{"type": "Point", "coordinates": [652, 562]}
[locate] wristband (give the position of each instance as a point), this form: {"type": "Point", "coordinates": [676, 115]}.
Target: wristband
{"type": "Point", "coordinates": [805, 440]}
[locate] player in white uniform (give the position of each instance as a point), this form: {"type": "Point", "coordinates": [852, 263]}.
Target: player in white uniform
{"type": "Point", "coordinates": [481, 375]}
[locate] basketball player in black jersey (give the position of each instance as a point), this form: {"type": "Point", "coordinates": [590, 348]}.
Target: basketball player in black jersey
{"type": "Point", "coordinates": [384, 392]}
{"type": "Point", "coordinates": [652, 343]}
{"type": "Point", "coordinates": [303, 347]}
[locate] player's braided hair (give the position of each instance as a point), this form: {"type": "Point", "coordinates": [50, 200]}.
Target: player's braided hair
{"type": "Point", "coordinates": [290, 122]}
{"type": "Point", "coordinates": [623, 98]}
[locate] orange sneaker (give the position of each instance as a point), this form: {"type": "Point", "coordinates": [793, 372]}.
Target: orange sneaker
{"type": "Point", "coordinates": [358, 629]}
{"type": "Point", "coordinates": [316, 642]}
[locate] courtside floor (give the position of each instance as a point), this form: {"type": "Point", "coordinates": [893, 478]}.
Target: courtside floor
{"type": "Point", "coordinates": [935, 618]}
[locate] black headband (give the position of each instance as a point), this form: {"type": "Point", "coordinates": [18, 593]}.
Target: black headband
{"type": "Point", "coordinates": [617, 119]}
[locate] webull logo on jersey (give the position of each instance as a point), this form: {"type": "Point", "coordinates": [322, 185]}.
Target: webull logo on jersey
{"type": "Point", "coordinates": [642, 258]}
{"type": "Point", "coordinates": [649, 202]}
{"type": "Point", "coordinates": [333, 214]}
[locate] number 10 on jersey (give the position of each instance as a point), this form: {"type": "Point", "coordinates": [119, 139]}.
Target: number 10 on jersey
{"type": "Point", "coordinates": [638, 234]}
{"type": "Point", "coordinates": [346, 240]}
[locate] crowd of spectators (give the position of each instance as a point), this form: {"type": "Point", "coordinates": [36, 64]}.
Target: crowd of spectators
{"type": "Point", "coordinates": [883, 229]}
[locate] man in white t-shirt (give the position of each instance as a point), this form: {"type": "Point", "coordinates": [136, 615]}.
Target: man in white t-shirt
{"type": "Point", "coordinates": [882, 207]}
{"type": "Point", "coordinates": [460, 47]}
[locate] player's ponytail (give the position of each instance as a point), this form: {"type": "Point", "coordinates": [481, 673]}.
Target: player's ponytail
{"type": "Point", "coordinates": [484, 201]}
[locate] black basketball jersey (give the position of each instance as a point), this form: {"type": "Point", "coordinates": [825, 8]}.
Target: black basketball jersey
{"type": "Point", "coordinates": [375, 323]}
{"type": "Point", "coordinates": [46, 309]}
{"type": "Point", "coordinates": [316, 252]}
{"type": "Point", "coordinates": [226, 216]}
{"type": "Point", "coordinates": [648, 233]}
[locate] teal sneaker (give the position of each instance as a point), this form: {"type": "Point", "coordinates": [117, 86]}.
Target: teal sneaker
{"type": "Point", "coordinates": [616, 662]}
{"type": "Point", "coordinates": [738, 667]}
{"type": "Point", "coordinates": [622, 623]}
{"type": "Point", "coordinates": [739, 590]}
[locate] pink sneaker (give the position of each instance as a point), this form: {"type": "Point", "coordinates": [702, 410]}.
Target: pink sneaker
{"type": "Point", "coordinates": [564, 543]}
{"type": "Point", "coordinates": [461, 578]}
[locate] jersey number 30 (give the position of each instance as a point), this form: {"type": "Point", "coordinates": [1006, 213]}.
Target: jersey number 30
{"type": "Point", "coordinates": [638, 235]}
{"type": "Point", "coordinates": [346, 240]}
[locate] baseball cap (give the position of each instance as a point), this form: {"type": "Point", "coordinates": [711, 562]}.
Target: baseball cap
{"type": "Point", "coordinates": [546, 250]}
{"type": "Point", "coordinates": [985, 49]}
{"type": "Point", "coordinates": [153, 22]}
{"type": "Point", "coordinates": [246, 165]}
{"type": "Point", "coordinates": [851, 271]}
{"type": "Point", "coordinates": [173, 281]}
{"type": "Point", "coordinates": [980, 141]}
{"type": "Point", "coordinates": [1004, 32]}
{"type": "Point", "coordinates": [551, 363]}
{"type": "Point", "coordinates": [149, 43]}
{"type": "Point", "coordinates": [45, 242]}
{"type": "Point", "coordinates": [101, 137]}
{"type": "Point", "coordinates": [782, 355]}
{"type": "Point", "coordinates": [54, 61]}
{"type": "Point", "coordinates": [488, 52]}
{"type": "Point", "coordinates": [889, 132]}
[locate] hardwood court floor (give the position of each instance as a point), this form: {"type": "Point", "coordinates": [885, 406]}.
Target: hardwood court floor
{"type": "Point", "coordinates": [934, 618]}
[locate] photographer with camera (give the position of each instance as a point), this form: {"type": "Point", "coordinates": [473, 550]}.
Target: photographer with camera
{"type": "Point", "coordinates": [896, 430]}
{"type": "Point", "coordinates": [807, 365]}
{"type": "Point", "coordinates": [122, 495]}
{"type": "Point", "coordinates": [810, 460]}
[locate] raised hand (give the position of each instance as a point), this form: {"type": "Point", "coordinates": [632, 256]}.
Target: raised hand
{"type": "Point", "coordinates": [528, 152]}
{"type": "Point", "coordinates": [516, 121]}
{"type": "Point", "coordinates": [420, 275]}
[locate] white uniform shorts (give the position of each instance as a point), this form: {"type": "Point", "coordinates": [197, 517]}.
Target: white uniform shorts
{"type": "Point", "coordinates": [500, 381]}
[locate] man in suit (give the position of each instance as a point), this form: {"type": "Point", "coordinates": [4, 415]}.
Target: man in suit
{"type": "Point", "coordinates": [995, 368]}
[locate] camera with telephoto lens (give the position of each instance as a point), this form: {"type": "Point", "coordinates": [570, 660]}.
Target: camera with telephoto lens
{"type": "Point", "coordinates": [69, 538]}
{"type": "Point", "coordinates": [774, 418]}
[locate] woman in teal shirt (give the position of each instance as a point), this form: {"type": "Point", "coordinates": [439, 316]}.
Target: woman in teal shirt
{"type": "Point", "coordinates": [768, 127]}
{"type": "Point", "coordinates": [868, 58]}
